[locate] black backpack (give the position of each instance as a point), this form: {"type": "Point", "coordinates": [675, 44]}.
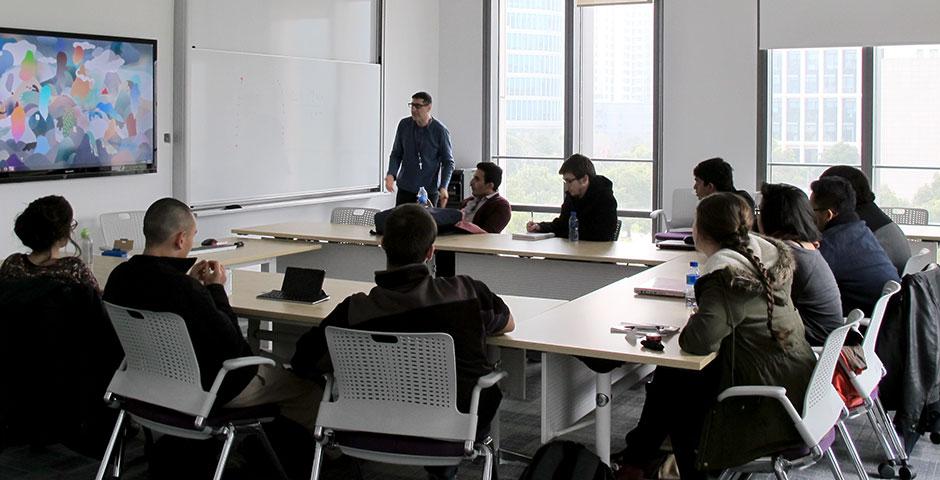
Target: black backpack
{"type": "Point", "coordinates": [566, 460]}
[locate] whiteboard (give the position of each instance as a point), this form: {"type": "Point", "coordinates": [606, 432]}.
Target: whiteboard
{"type": "Point", "coordinates": [268, 127]}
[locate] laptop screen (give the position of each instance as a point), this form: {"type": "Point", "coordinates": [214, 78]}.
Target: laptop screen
{"type": "Point", "coordinates": [302, 283]}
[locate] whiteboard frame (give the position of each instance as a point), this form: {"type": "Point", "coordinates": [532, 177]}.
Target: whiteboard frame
{"type": "Point", "coordinates": [183, 46]}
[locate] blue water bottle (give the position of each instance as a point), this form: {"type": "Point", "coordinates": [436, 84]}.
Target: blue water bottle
{"type": "Point", "coordinates": [573, 234]}
{"type": "Point", "coordinates": [690, 278]}
{"type": "Point", "coordinates": [422, 197]}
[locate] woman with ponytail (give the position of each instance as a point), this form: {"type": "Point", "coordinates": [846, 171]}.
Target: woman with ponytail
{"type": "Point", "coordinates": [745, 315]}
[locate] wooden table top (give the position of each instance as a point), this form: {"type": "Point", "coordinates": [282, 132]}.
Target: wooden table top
{"type": "Point", "coordinates": [582, 326]}
{"type": "Point", "coordinates": [248, 284]}
{"type": "Point", "coordinates": [254, 251]}
{"type": "Point", "coordinates": [927, 233]}
{"type": "Point", "coordinates": [640, 252]}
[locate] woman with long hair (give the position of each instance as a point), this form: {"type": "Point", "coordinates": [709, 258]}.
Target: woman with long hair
{"type": "Point", "coordinates": [745, 315]}
{"type": "Point", "coordinates": [45, 227]}
{"type": "Point", "coordinates": [786, 214]}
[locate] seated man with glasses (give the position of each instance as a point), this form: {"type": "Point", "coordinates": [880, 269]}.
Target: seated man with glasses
{"type": "Point", "coordinates": [588, 194]}
{"type": "Point", "coordinates": [858, 262]}
{"type": "Point", "coordinates": [421, 155]}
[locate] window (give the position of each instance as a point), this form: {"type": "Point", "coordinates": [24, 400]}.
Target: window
{"type": "Point", "coordinates": [906, 153]}
{"type": "Point", "coordinates": [903, 159]}
{"type": "Point", "coordinates": [613, 90]}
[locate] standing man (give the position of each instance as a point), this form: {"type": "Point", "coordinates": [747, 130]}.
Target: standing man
{"type": "Point", "coordinates": [591, 196]}
{"type": "Point", "coordinates": [421, 155]}
{"type": "Point", "coordinates": [486, 208]}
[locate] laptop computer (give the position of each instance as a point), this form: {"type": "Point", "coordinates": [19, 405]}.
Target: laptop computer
{"type": "Point", "coordinates": [301, 285]}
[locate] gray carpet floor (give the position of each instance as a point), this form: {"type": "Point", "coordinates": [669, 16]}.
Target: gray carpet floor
{"type": "Point", "coordinates": [520, 433]}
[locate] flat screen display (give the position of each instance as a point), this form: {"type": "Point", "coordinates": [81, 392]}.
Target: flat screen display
{"type": "Point", "coordinates": [75, 105]}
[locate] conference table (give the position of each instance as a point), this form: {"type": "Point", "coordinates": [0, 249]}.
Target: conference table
{"type": "Point", "coordinates": [507, 265]}
{"type": "Point", "coordinates": [924, 233]}
{"type": "Point", "coordinates": [263, 252]}
{"type": "Point", "coordinates": [561, 330]}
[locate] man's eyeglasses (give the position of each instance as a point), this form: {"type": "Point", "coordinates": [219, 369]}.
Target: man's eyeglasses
{"type": "Point", "coordinates": [74, 224]}
{"type": "Point", "coordinates": [417, 106]}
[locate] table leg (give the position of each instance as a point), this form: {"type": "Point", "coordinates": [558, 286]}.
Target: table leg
{"type": "Point", "coordinates": [602, 417]}
{"type": "Point", "coordinates": [446, 263]}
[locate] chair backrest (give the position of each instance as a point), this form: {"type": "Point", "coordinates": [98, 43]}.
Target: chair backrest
{"type": "Point", "coordinates": [118, 225]}
{"type": "Point", "coordinates": [617, 230]}
{"type": "Point", "coordinates": [684, 202]}
{"type": "Point", "coordinates": [890, 289]}
{"type": "Point", "coordinates": [395, 383]}
{"type": "Point", "coordinates": [918, 261]}
{"type": "Point", "coordinates": [354, 216]}
{"type": "Point", "coordinates": [822, 405]}
{"type": "Point", "coordinates": [907, 216]}
{"type": "Point", "coordinates": [160, 362]}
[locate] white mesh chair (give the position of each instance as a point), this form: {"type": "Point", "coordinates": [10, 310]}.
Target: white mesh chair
{"type": "Point", "coordinates": [866, 384]}
{"type": "Point", "coordinates": [907, 216]}
{"type": "Point", "coordinates": [118, 225]}
{"type": "Point", "coordinates": [158, 386]}
{"type": "Point", "coordinates": [683, 211]}
{"type": "Point", "coordinates": [401, 387]}
{"type": "Point", "coordinates": [354, 216]}
{"type": "Point", "coordinates": [823, 413]}
{"type": "Point", "coordinates": [918, 261]}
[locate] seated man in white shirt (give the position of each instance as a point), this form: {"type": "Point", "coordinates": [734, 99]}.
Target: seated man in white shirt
{"type": "Point", "coordinates": [486, 208]}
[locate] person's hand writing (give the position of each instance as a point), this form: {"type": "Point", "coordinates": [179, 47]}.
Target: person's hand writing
{"type": "Point", "coordinates": [532, 227]}
{"type": "Point", "coordinates": [442, 202]}
{"type": "Point", "coordinates": [390, 183]}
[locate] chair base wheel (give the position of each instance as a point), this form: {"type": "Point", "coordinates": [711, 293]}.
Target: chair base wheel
{"type": "Point", "coordinates": [906, 473]}
{"type": "Point", "coordinates": [886, 470]}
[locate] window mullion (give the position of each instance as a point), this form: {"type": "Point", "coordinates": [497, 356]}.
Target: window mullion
{"type": "Point", "coordinates": [866, 143]}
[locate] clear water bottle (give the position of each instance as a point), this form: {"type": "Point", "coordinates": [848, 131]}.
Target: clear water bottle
{"type": "Point", "coordinates": [422, 196]}
{"type": "Point", "coordinates": [573, 234]}
{"type": "Point", "coordinates": [88, 247]}
{"type": "Point", "coordinates": [690, 278]}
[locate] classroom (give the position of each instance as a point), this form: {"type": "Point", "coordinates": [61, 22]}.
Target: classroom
{"type": "Point", "coordinates": [265, 118]}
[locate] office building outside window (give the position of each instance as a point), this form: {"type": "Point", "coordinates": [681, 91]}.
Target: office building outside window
{"type": "Point", "coordinates": [614, 92]}
{"type": "Point", "coordinates": [903, 159]}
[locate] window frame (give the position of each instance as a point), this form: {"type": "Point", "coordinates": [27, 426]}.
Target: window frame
{"type": "Point", "coordinates": [572, 86]}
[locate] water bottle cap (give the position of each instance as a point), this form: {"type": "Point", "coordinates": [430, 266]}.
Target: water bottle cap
{"type": "Point", "coordinates": [85, 234]}
{"type": "Point", "coordinates": [693, 264]}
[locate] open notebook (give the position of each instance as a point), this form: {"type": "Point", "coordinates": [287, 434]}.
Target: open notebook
{"type": "Point", "coordinates": [532, 236]}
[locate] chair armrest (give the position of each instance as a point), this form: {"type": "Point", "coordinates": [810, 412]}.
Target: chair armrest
{"type": "Point", "coordinates": [485, 381]}
{"type": "Point", "coordinates": [778, 393]}
{"type": "Point", "coordinates": [328, 388]}
{"type": "Point", "coordinates": [240, 362]}
{"type": "Point", "coordinates": [227, 366]}
{"type": "Point", "coordinates": [660, 222]}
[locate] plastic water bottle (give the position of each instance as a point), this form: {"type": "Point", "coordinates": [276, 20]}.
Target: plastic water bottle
{"type": "Point", "coordinates": [88, 247]}
{"type": "Point", "coordinates": [573, 234]}
{"type": "Point", "coordinates": [422, 196]}
{"type": "Point", "coordinates": [690, 278]}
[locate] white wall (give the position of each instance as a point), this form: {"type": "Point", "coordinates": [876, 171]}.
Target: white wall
{"type": "Point", "coordinates": [92, 196]}
{"type": "Point", "coordinates": [459, 100]}
{"type": "Point", "coordinates": [709, 89]}
{"type": "Point", "coordinates": [411, 64]}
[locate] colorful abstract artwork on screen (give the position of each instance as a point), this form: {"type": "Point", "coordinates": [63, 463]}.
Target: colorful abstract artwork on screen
{"type": "Point", "coordinates": [72, 104]}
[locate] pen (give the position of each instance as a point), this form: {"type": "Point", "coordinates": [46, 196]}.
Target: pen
{"type": "Point", "coordinates": [531, 216]}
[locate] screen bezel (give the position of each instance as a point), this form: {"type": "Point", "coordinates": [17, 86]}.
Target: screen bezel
{"type": "Point", "coordinates": [100, 171]}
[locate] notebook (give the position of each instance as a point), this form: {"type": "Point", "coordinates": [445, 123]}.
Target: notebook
{"type": "Point", "coordinates": [674, 245]}
{"type": "Point", "coordinates": [532, 236]}
{"type": "Point", "coordinates": [302, 285]}
{"type": "Point", "coordinates": [662, 287]}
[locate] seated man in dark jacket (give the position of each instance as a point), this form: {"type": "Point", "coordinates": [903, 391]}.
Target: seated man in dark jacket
{"type": "Point", "coordinates": [588, 194]}
{"type": "Point", "coordinates": [855, 257]}
{"type": "Point", "coordinates": [157, 280]}
{"type": "Point", "coordinates": [486, 208]}
{"type": "Point", "coordinates": [404, 294]}
{"type": "Point", "coordinates": [888, 233]}
{"type": "Point", "coordinates": [717, 175]}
